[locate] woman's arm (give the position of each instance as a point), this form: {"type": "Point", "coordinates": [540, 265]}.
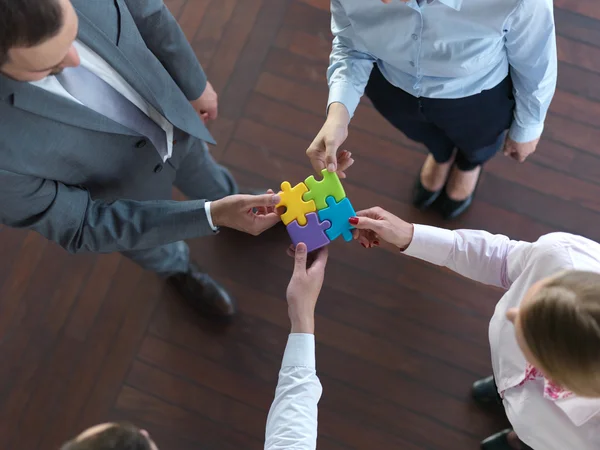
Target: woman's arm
{"type": "Point", "coordinates": [350, 65]}
{"type": "Point", "coordinates": [474, 254]}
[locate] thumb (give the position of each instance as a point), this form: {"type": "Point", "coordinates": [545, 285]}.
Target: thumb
{"type": "Point", "coordinates": [268, 199]}
{"type": "Point", "coordinates": [300, 259]}
{"type": "Point", "coordinates": [331, 156]}
{"type": "Point", "coordinates": [365, 223]}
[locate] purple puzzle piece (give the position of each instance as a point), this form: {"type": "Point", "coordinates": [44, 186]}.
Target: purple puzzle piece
{"type": "Point", "coordinates": [312, 234]}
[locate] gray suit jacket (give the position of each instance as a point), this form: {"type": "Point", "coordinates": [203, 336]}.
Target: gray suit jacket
{"type": "Point", "coordinates": [84, 181]}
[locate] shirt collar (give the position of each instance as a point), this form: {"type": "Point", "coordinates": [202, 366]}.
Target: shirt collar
{"type": "Point", "coordinates": [454, 4]}
{"type": "Point", "coordinates": [579, 409]}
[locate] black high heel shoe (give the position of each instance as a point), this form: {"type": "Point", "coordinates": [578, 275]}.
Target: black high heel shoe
{"type": "Point", "coordinates": [423, 198]}
{"type": "Point", "coordinates": [451, 209]}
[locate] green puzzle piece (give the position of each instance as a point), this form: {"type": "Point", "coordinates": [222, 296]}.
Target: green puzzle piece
{"type": "Point", "coordinates": [329, 186]}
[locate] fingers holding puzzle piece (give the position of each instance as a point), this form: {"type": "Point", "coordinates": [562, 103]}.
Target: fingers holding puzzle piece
{"type": "Point", "coordinates": [317, 212]}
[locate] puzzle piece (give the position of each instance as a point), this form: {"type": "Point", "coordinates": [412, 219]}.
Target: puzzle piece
{"type": "Point", "coordinates": [338, 214]}
{"type": "Point", "coordinates": [312, 234]}
{"type": "Point", "coordinates": [330, 185]}
{"type": "Point", "coordinates": [296, 207]}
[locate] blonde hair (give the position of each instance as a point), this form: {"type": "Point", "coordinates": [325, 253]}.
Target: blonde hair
{"type": "Point", "coordinates": [561, 326]}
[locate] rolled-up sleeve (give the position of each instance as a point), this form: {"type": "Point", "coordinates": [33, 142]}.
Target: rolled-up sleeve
{"type": "Point", "coordinates": [531, 48]}
{"type": "Point", "coordinates": [350, 65]}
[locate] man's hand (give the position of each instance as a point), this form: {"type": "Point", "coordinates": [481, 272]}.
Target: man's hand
{"type": "Point", "coordinates": [323, 150]}
{"type": "Point", "coordinates": [207, 105]}
{"type": "Point", "coordinates": [376, 224]}
{"type": "Point", "coordinates": [305, 287]}
{"type": "Point", "coordinates": [519, 150]}
{"type": "Point", "coordinates": [251, 214]}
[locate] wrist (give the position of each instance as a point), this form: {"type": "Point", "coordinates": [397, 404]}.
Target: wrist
{"type": "Point", "coordinates": [216, 212]}
{"type": "Point", "coordinates": [302, 322]}
{"type": "Point", "coordinates": [338, 114]}
{"type": "Point", "coordinates": [208, 212]}
{"type": "Point", "coordinates": [404, 234]}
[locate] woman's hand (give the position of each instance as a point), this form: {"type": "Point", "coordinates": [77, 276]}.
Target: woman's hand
{"type": "Point", "coordinates": [323, 151]}
{"type": "Point", "coordinates": [375, 224]}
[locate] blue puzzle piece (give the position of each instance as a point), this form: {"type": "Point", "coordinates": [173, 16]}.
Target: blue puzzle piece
{"type": "Point", "coordinates": [338, 214]}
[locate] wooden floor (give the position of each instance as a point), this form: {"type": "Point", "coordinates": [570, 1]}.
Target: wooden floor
{"type": "Point", "coordinates": [87, 339]}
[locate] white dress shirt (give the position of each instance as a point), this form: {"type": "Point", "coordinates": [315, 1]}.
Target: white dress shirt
{"type": "Point", "coordinates": [98, 66]}
{"type": "Point", "coordinates": [542, 422]}
{"type": "Point", "coordinates": [448, 49]}
{"type": "Point", "coordinates": [292, 419]}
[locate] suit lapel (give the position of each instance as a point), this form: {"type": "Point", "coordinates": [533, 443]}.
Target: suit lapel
{"type": "Point", "coordinates": [95, 39]}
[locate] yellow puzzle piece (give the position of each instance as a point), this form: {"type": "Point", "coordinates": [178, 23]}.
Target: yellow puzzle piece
{"type": "Point", "coordinates": [296, 207]}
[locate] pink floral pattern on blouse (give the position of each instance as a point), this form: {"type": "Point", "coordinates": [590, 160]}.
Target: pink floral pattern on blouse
{"type": "Point", "coordinates": [551, 390]}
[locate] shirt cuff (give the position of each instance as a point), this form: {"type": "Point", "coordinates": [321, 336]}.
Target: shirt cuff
{"type": "Point", "coordinates": [346, 94]}
{"type": "Point", "coordinates": [431, 244]}
{"type": "Point", "coordinates": [209, 215]}
{"type": "Point", "coordinates": [525, 134]}
{"type": "Point", "coordinates": [300, 351]}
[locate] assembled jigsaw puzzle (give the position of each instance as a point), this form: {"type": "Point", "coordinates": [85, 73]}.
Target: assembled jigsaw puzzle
{"type": "Point", "coordinates": [316, 212]}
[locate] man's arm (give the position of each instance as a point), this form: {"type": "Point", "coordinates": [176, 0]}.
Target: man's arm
{"type": "Point", "coordinates": [350, 64]}
{"type": "Point", "coordinates": [166, 40]}
{"type": "Point", "coordinates": [531, 49]}
{"type": "Point", "coordinates": [68, 216]}
{"type": "Point", "coordinates": [292, 420]}
{"type": "Point", "coordinates": [474, 254]}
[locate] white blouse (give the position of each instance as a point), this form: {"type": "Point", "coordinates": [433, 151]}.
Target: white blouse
{"type": "Point", "coordinates": [542, 420]}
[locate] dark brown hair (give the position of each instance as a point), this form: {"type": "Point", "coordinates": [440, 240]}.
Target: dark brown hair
{"type": "Point", "coordinates": [26, 23]}
{"type": "Point", "coordinates": [120, 436]}
{"type": "Point", "coordinates": [561, 326]}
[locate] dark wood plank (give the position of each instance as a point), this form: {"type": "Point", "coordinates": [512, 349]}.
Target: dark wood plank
{"type": "Point", "coordinates": [17, 279]}
{"type": "Point", "coordinates": [156, 413]}
{"type": "Point", "coordinates": [234, 39]}
{"type": "Point", "coordinates": [248, 66]}
{"type": "Point", "coordinates": [399, 341]}
{"type": "Point", "coordinates": [584, 7]}
{"type": "Point", "coordinates": [210, 32]}
{"type": "Point", "coordinates": [577, 26]}
{"type": "Point", "coordinates": [191, 15]}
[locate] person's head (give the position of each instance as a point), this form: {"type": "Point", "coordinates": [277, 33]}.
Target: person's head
{"type": "Point", "coordinates": [36, 38]}
{"type": "Point", "coordinates": [114, 436]}
{"type": "Point", "coordinates": [558, 329]}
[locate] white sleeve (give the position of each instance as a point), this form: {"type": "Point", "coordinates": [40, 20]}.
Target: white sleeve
{"type": "Point", "coordinates": [292, 420]}
{"type": "Point", "coordinates": [475, 254]}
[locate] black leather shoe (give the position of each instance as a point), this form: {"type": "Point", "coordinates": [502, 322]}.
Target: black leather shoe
{"type": "Point", "coordinates": [204, 294]}
{"type": "Point", "coordinates": [423, 198]}
{"type": "Point", "coordinates": [501, 441]}
{"type": "Point", "coordinates": [485, 391]}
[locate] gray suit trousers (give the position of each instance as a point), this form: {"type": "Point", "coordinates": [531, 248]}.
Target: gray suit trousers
{"type": "Point", "coordinates": [198, 177]}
